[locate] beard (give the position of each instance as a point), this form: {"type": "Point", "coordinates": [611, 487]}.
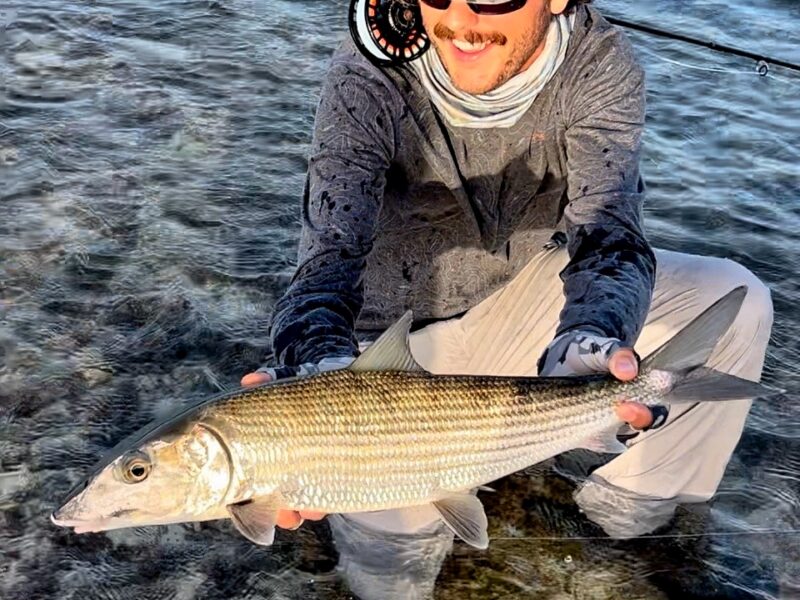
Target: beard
{"type": "Point", "coordinates": [521, 53]}
{"type": "Point", "coordinates": [525, 49]}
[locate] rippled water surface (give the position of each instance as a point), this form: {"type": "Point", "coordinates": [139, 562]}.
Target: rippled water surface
{"type": "Point", "coordinates": [152, 156]}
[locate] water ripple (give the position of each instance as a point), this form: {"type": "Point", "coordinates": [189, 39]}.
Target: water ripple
{"type": "Point", "coordinates": [153, 157]}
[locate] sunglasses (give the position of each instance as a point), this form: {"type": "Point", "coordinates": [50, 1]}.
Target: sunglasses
{"type": "Point", "coordinates": [483, 7]}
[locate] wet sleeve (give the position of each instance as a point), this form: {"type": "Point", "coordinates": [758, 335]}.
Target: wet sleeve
{"type": "Point", "coordinates": [609, 280]}
{"type": "Point", "coordinates": [352, 146]}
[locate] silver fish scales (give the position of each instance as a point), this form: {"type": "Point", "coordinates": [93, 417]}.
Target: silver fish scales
{"type": "Point", "coordinates": [350, 441]}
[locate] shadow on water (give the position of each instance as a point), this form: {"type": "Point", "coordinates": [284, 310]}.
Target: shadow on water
{"type": "Point", "coordinates": [153, 158]}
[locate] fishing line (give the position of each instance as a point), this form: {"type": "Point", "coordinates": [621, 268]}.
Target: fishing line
{"type": "Point", "coordinates": [771, 76]}
{"type": "Point", "coordinates": [651, 537]}
{"type": "Point", "coordinates": [762, 60]}
{"type": "Point", "coordinates": [701, 68]}
{"type": "Point", "coordinates": [684, 65]}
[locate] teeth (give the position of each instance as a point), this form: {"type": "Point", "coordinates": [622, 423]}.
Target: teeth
{"type": "Point", "coordinates": [467, 47]}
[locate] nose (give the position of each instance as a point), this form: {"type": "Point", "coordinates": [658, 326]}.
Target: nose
{"type": "Point", "coordinates": [459, 16]}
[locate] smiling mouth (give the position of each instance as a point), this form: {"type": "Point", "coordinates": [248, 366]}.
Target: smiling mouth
{"type": "Point", "coordinates": [472, 54]}
{"type": "Point", "coordinates": [468, 48]}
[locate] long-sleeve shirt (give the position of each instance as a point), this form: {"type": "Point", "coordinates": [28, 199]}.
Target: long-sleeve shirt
{"type": "Point", "coordinates": [402, 211]}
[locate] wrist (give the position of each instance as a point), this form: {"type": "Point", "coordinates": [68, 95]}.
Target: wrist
{"type": "Point", "coordinates": [578, 352]}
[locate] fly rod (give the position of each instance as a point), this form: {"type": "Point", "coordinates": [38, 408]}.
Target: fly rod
{"type": "Point", "coordinates": [763, 61]}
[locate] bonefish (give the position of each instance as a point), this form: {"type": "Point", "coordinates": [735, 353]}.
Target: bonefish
{"type": "Point", "coordinates": [381, 434]}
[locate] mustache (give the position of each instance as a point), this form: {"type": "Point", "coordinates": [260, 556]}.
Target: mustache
{"type": "Point", "coordinates": [471, 37]}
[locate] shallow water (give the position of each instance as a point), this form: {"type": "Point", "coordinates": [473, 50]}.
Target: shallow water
{"type": "Point", "coordinates": [152, 156]}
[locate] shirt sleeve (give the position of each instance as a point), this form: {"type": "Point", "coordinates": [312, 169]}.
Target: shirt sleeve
{"type": "Point", "coordinates": [352, 147]}
{"type": "Point", "coordinates": [609, 280]}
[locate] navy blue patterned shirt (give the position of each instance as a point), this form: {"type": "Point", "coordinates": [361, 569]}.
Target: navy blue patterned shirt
{"type": "Point", "coordinates": [402, 211]}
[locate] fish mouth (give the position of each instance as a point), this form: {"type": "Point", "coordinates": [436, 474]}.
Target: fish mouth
{"type": "Point", "coordinates": [79, 526]}
{"type": "Point", "coordinates": [115, 520]}
{"type": "Point", "coordinates": [62, 518]}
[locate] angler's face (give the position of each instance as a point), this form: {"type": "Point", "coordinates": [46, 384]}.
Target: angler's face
{"type": "Point", "coordinates": [169, 480]}
{"type": "Point", "coordinates": [513, 41]}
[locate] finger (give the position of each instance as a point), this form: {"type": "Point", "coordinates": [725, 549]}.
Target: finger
{"type": "Point", "coordinates": [288, 519]}
{"type": "Point", "coordinates": [252, 379]}
{"type": "Point", "coordinates": [636, 415]}
{"type": "Point", "coordinates": [623, 364]}
{"type": "Point", "coordinates": [312, 515]}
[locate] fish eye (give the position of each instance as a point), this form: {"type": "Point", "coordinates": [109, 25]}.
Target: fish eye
{"type": "Point", "coordinates": [136, 468]}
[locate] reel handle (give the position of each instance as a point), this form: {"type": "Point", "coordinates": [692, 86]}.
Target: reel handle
{"type": "Point", "coordinates": [388, 32]}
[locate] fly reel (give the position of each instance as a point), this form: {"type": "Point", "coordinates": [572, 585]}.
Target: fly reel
{"type": "Point", "coordinates": [388, 31]}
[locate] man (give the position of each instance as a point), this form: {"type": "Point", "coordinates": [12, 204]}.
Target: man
{"type": "Point", "coordinates": [437, 185]}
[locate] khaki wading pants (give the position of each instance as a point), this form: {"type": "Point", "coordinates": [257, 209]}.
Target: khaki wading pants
{"type": "Point", "coordinates": [684, 460]}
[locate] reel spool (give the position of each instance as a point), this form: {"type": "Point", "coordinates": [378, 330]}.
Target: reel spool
{"type": "Point", "coordinates": [388, 32]}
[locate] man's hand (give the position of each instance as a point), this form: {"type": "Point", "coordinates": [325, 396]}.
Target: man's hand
{"type": "Point", "coordinates": [292, 519]}
{"type": "Point", "coordinates": [583, 353]}
{"type": "Point", "coordinates": [256, 378]}
{"type": "Point", "coordinates": [267, 374]}
{"type": "Point", "coordinates": [624, 366]}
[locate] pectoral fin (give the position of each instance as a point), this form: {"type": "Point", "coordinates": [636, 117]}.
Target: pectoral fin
{"type": "Point", "coordinates": [463, 513]}
{"type": "Point", "coordinates": [255, 519]}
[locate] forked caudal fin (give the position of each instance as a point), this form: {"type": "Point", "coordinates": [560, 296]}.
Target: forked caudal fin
{"type": "Point", "coordinates": [692, 345]}
{"type": "Point", "coordinates": [686, 354]}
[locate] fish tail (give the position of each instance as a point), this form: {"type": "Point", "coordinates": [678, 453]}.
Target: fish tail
{"type": "Point", "coordinates": [685, 356]}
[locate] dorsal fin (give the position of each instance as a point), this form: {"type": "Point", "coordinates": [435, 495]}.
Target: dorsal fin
{"type": "Point", "coordinates": [390, 352]}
